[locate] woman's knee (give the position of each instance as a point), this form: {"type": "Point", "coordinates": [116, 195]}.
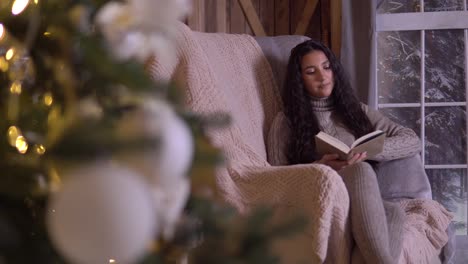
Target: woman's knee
{"type": "Point", "coordinates": [362, 169]}
{"type": "Point", "coordinates": [358, 173]}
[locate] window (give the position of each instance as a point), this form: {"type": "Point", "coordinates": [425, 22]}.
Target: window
{"type": "Point", "coordinates": [422, 83]}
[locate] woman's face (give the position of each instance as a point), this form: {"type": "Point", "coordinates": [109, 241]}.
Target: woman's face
{"type": "Point", "coordinates": [317, 74]}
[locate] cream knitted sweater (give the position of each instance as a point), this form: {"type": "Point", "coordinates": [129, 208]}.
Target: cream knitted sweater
{"type": "Point", "coordinates": [400, 142]}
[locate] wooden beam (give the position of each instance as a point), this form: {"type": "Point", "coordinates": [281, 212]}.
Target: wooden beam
{"type": "Point", "coordinates": [296, 8]}
{"type": "Point", "coordinates": [267, 16]}
{"type": "Point", "coordinates": [335, 16]}
{"type": "Point", "coordinates": [252, 17]}
{"type": "Point", "coordinates": [221, 15]}
{"type": "Point", "coordinates": [325, 23]}
{"type": "Point", "coordinates": [210, 12]}
{"type": "Point", "coordinates": [237, 23]}
{"type": "Point", "coordinates": [196, 20]}
{"type": "Point", "coordinates": [282, 17]}
{"type": "Point", "coordinates": [305, 17]}
{"type": "Point", "coordinates": [248, 27]}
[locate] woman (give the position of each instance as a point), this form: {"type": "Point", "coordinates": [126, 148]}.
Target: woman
{"type": "Point", "coordinates": [318, 97]}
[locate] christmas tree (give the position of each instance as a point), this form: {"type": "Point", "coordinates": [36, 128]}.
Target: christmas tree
{"type": "Point", "coordinates": [99, 163]}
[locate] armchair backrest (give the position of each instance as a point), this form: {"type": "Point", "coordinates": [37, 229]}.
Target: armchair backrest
{"type": "Point", "coordinates": [239, 82]}
{"type": "Point", "coordinates": [229, 73]}
{"type": "Point", "coordinates": [277, 51]}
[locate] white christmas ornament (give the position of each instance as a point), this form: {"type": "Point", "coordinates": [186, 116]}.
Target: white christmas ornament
{"type": "Point", "coordinates": [167, 164]}
{"type": "Point", "coordinates": [102, 213]}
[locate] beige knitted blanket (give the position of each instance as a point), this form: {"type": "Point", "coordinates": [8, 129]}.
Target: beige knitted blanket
{"type": "Point", "coordinates": [229, 73]}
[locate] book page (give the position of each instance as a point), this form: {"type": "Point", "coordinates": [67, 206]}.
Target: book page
{"type": "Point", "coordinates": [371, 143]}
{"type": "Point", "coordinates": [367, 137]}
{"type": "Point", "coordinates": [326, 144]}
{"type": "Point", "coordinates": [372, 146]}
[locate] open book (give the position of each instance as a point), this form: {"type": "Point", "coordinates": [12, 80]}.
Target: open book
{"type": "Point", "coordinates": [371, 143]}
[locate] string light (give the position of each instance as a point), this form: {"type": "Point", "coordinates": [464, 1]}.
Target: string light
{"type": "Point", "coordinates": [19, 6]}
{"type": "Point", "coordinates": [21, 144]}
{"type": "Point", "coordinates": [4, 66]}
{"type": "Point", "coordinates": [10, 53]}
{"type": "Point", "coordinates": [15, 88]}
{"type": "Point", "coordinates": [36, 2]}
{"type": "Point", "coordinates": [48, 99]}
{"type": "Point", "coordinates": [40, 149]}
{"type": "Point", "coordinates": [2, 31]}
{"type": "Point", "coordinates": [111, 260]}
{"type": "Point", "coordinates": [13, 133]}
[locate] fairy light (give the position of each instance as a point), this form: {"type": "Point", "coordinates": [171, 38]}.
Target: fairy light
{"type": "Point", "coordinates": [111, 260]}
{"type": "Point", "coordinates": [36, 2]}
{"type": "Point", "coordinates": [4, 66]}
{"type": "Point", "coordinates": [15, 88]}
{"type": "Point", "coordinates": [48, 99]}
{"type": "Point", "coordinates": [19, 6]}
{"type": "Point", "coordinates": [10, 53]}
{"type": "Point", "coordinates": [13, 133]}
{"type": "Point", "coordinates": [40, 149]}
{"type": "Point", "coordinates": [21, 144]}
{"type": "Point", "coordinates": [47, 33]}
{"type": "Point", "coordinates": [2, 31]}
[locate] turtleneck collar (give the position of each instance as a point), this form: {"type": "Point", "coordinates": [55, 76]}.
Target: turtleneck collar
{"type": "Point", "coordinates": [322, 104]}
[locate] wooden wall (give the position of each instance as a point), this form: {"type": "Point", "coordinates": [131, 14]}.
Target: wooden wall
{"type": "Point", "coordinates": [318, 19]}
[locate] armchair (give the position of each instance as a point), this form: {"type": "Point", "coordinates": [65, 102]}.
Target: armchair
{"type": "Point", "coordinates": [230, 73]}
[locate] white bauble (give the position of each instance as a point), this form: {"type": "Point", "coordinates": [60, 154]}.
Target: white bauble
{"type": "Point", "coordinates": [165, 165]}
{"type": "Point", "coordinates": [102, 213]}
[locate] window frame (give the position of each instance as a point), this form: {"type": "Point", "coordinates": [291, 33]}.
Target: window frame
{"type": "Point", "coordinates": [422, 21]}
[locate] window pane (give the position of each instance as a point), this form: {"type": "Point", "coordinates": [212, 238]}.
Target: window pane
{"type": "Point", "coordinates": [442, 5]}
{"type": "Point", "coordinates": [445, 141]}
{"type": "Point", "coordinates": [449, 187]}
{"type": "Point", "coordinates": [409, 117]}
{"type": "Point", "coordinates": [399, 67]}
{"type": "Point", "coordinates": [398, 6]}
{"type": "Point", "coordinates": [445, 66]}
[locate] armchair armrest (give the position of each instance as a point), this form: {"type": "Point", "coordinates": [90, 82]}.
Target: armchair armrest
{"type": "Point", "coordinates": [313, 190]}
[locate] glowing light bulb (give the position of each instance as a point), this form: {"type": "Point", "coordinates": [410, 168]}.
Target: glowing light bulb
{"type": "Point", "coordinates": [36, 2]}
{"type": "Point", "coordinates": [15, 88]}
{"type": "Point", "coordinates": [48, 99]}
{"type": "Point", "coordinates": [40, 149]}
{"type": "Point", "coordinates": [111, 260]}
{"type": "Point", "coordinates": [2, 31]}
{"type": "Point", "coordinates": [10, 53]}
{"type": "Point", "coordinates": [4, 66]}
{"type": "Point", "coordinates": [19, 6]}
{"type": "Point", "coordinates": [21, 144]}
{"type": "Point", "coordinates": [13, 133]}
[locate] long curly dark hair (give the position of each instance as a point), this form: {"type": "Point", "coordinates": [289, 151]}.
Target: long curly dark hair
{"type": "Point", "coordinates": [298, 107]}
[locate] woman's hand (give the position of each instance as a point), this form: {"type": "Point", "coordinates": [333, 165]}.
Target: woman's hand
{"type": "Point", "coordinates": [337, 164]}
